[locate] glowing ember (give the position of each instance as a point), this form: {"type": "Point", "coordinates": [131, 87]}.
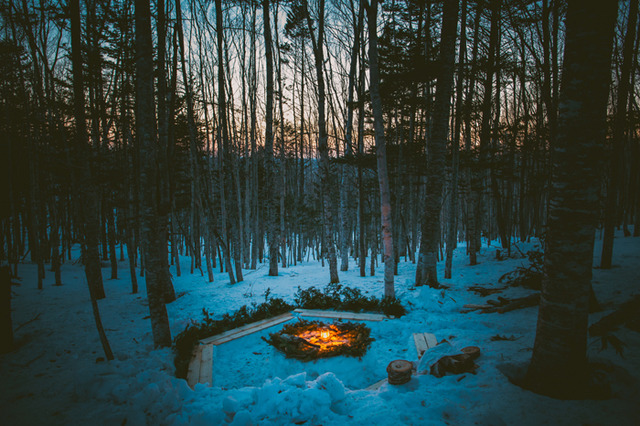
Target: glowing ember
{"type": "Point", "coordinates": [326, 338]}
{"type": "Point", "coordinates": [308, 340]}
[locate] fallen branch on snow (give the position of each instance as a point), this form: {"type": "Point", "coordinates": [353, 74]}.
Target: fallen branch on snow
{"type": "Point", "coordinates": [503, 304]}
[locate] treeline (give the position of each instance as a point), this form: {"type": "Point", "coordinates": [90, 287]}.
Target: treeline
{"type": "Point", "coordinates": [243, 132]}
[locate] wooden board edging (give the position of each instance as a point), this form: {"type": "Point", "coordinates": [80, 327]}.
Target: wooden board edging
{"type": "Point", "coordinates": [245, 330]}
{"type": "Point", "coordinates": [342, 315]}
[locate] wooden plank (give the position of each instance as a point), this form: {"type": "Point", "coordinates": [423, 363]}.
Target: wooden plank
{"type": "Point", "coordinates": [431, 340]}
{"type": "Point", "coordinates": [342, 315]}
{"type": "Point", "coordinates": [424, 342]}
{"type": "Point", "coordinates": [377, 385]}
{"type": "Point", "coordinates": [193, 375]}
{"type": "Point", "coordinates": [206, 365]}
{"type": "Point", "coordinates": [245, 330]}
{"type": "Point", "coordinates": [421, 344]}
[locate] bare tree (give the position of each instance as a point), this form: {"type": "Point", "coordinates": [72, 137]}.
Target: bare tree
{"type": "Point", "coordinates": [152, 243]}
{"type": "Point", "coordinates": [426, 272]}
{"type": "Point", "coordinates": [559, 361]}
{"type": "Point", "coordinates": [85, 183]}
{"type": "Point", "coordinates": [323, 147]}
{"type": "Point", "coordinates": [381, 151]}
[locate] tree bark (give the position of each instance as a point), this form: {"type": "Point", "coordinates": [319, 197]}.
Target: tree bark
{"type": "Point", "coordinates": [6, 328]}
{"type": "Point", "coordinates": [323, 146]}
{"type": "Point", "coordinates": [146, 134]}
{"type": "Point", "coordinates": [271, 194]}
{"type": "Point", "coordinates": [616, 164]}
{"type": "Point", "coordinates": [426, 271]}
{"type": "Point", "coordinates": [452, 231]}
{"type": "Point", "coordinates": [85, 184]}
{"type": "Point", "coordinates": [559, 360]}
{"type": "Point", "coordinates": [381, 152]}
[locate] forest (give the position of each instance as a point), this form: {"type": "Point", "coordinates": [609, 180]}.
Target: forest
{"type": "Point", "coordinates": [167, 140]}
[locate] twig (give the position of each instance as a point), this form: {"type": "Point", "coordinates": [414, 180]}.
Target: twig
{"type": "Point", "coordinates": [30, 362]}
{"type": "Point", "coordinates": [28, 322]}
{"type": "Point", "coordinates": [518, 248]}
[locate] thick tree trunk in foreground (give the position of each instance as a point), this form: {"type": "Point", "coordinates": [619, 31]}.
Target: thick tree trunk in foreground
{"type": "Point", "coordinates": [381, 152]}
{"type": "Point", "coordinates": [426, 272]}
{"type": "Point", "coordinates": [559, 362]}
{"type": "Point", "coordinates": [146, 132]}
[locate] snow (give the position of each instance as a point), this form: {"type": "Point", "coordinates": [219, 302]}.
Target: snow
{"type": "Point", "coordinates": [57, 373]}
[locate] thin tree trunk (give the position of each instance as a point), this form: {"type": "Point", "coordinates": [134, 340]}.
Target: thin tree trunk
{"type": "Point", "coordinates": [323, 146]}
{"type": "Point", "coordinates": [381, 152]}
{"type": "Point", "coordinates": [616, 164]}
{"type": "Point", "coordinates": [85, 185]}
{"type": "Point", "coordinates": [146, 132]}
{"type": "Point", "coordinates": [272, 228]}
{"type": "Point", "coordinates": [452, 231]}
{"type": "Point", "coordinates": [426, 271]}
{"type": "Point", "coordinates": [164, 201]}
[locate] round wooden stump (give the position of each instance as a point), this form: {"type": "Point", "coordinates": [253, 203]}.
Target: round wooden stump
{"type": "Point", "coordinates": [399, 371]}
{"type": "Point", "coordinates": [472, 351]}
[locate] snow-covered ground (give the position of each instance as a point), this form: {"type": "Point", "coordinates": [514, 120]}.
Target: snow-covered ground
{"type": "Point", "coordinates": [57, 374]}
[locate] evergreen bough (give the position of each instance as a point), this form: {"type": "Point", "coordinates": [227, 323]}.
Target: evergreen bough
{"type": "Point", "coordinates": [334, 296]}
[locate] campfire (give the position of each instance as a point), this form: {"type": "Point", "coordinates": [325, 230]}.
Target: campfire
{"type": "Point", "coordinates": [307, 340]}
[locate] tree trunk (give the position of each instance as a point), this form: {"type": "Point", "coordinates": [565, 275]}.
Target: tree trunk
{"type": "Point", "coordinates": [381, 152]}
{"type": "Point", "coordinates": [426, 271]}
{"type": "Point", "coordinates": [271, 194]}
{"type": "Point", "coordinates": [452, 231]}
{"type": "Point", "coordinates": [146, 132]}
{"type": "Point", "coordinates": [6, 328]}
{"type": "Point", "coordinates": [559, 361]}
{"type": "Point", "coordinates": [86, 186]}
{"type": "Point", "coordinates": [323, 146]}
{"type": "Point", "coordinates": [164, 196]}
{"type": "Point", "coordinates": [616, 164]}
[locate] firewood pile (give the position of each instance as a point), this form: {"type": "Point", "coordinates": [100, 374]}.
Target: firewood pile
{"type": "Point", "coordinates": [502, 304]}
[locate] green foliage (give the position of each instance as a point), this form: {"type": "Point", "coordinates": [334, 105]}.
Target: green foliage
{"type": "Point", "coordinates": [342, 298]}
{"type": "Point", "coordinates": [287, 342]}
{"type": "Point", "coordinates": [334, 296]}
{"type": "Point", "coordinates": [529, 277]}
{"type": "Point", "coordinates": [185, 341]}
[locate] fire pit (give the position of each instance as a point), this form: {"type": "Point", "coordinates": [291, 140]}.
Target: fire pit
{"type": "Point", "coordinates": [307, 340]}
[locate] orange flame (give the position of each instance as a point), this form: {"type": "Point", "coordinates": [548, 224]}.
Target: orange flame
{"type": "Point", "coordinates": [326, 338]}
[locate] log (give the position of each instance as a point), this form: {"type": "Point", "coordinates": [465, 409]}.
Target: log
{"type": "Point", "coordinates": [523, 302]}
{"type": "Point", "coordinates": [6, 328]}
{"type": "Point", "coordinates": [457, 364]}
{"type": "Point", "coordinates": [399, 371]}
{"type": "Point", "coordinates": [472, 352]}
{"type": "Point", "coordinates": [484, 291]}
{"type": "Point", "coordinates": [503, 305]}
